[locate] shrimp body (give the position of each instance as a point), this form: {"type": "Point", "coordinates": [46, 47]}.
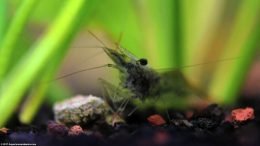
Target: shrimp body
{"type": "Point", "coordinates": [142, 80]}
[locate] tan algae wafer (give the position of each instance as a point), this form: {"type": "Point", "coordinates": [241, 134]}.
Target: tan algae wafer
{"type": "Point", "coordinates": [80, 109]}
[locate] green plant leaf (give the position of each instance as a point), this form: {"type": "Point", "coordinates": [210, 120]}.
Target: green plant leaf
{"type": "Point", "coordinates": [242, 42]}
{"type": "Point", "coordinates": [60, 32]}
{"type": "Point", "coordinates": [3, 16]}
{"type": "Point", "coordinates": [13, 33]}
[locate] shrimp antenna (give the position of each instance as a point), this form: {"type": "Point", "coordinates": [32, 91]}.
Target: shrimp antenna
{"type": "Point", "coordinates": [117, 43]}
{"type": "Point", "coordinates": [210, 62]}
{"type": "Point", "coordinates": [203, 63]}
{"type": "Point", "coordinates": [97, 38]}
{"type": "Point", "coordinates": [86, 69]}
{"type": "Point", "coordinates": [88, 47]}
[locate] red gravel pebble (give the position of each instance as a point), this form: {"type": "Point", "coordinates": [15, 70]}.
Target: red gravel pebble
{"type": "Point", "coordinates": [76, 130]}
{"type": "Point", "coordinates": [156, 120]}
{"type": "Point", "coordinates": [242, 115]}
{"type": "Point", "coordinates": [57, 129]}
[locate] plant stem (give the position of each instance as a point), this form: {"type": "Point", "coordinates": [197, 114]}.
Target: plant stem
{"type": "Point", "coordinates": [2, 18]}
{"type": "Point", "coordinates": [60, 32]}
{"type": "Point", "coordinates": [242, 42]}
{"type": "Point", "coordinates": [37, 96]}
{"type": "Point", "coordinates": [16, 27]}
{"type": "Point", "coordinates": [178, 33]}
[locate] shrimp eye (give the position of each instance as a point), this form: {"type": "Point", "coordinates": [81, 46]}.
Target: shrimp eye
{"type": "Point", "coordinates": [143, 61]}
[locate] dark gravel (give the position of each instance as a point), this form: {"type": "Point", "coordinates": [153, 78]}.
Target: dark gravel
{"type": "Point", "coordinates": [204, 128]}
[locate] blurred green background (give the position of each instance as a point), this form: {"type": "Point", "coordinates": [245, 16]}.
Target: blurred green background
{"type": "Point", "coordinates": [219, 39]}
